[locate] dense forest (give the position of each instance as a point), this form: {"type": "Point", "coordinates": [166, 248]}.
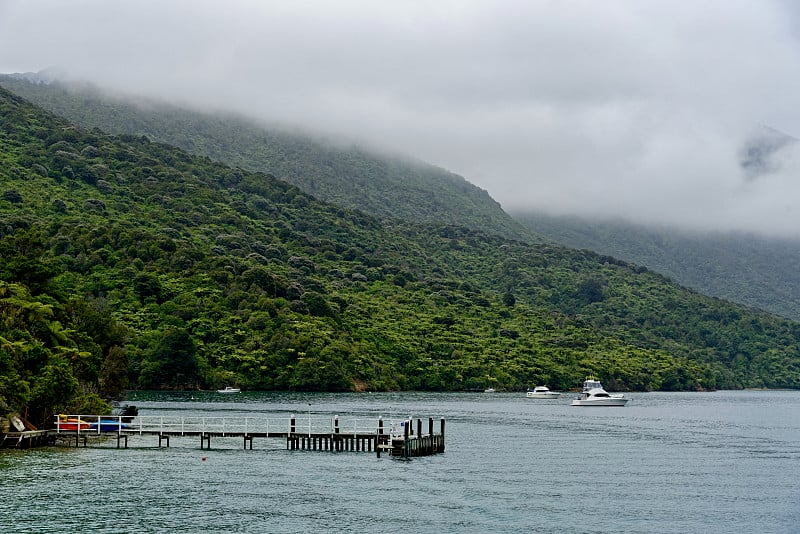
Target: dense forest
{"type": "Point", "coordinates": [132, 264]}
{"type": "Point", "coordinates": [746, 269]}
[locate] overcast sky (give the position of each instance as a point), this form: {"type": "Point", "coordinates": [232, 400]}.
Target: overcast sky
{"type": "Point", "coordinates": [633, 108]}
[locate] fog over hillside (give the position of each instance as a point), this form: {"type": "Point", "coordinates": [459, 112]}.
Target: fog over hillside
{"type": "Point", "coordinates": [650, 111]}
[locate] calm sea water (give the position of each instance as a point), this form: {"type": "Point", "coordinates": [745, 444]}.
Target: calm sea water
{"type": "Point", "coordinates": [677, 462]}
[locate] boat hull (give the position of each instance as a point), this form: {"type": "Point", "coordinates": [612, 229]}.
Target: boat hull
{"type": "Point", "coordinates": [73, 425]}
{"type": "Point", "coordinates": [609, 401]}
{"type": "Point", "coordinates": [550, 395]}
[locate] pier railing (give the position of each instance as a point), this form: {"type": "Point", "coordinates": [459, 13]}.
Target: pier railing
{"type": "Point", "coordinates": [400, 438]}
{"type": "Point", "coordinates": [222, 425]}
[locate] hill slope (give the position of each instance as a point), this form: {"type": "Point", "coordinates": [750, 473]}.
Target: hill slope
{"type": "Point", "coordinates": [746, 269]}
{"type": "Point", "coordinates": [750, 270]}
{"type": "Point", "coordinates": [223, 276]}
{"type": "Point", "coordinates": [381, 185]}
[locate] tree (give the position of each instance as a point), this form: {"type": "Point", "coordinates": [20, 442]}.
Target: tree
{"type": "Point", "coordinates": [114, 373]}
{"type": "Point", "coordinates": [172, 363]}
{"type": "Point", "coordinates": [13, 196]}
{"type": "Point", "coordinates": [22, 260]}
{"type": "Point", "coordinates": [316, 304]}
{"type": "Point", "coordinates": [53, 389]}
{"type": "Point", "coordinates": [590, 290]}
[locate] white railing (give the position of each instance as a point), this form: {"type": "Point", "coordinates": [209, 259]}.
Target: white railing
{"type": "Point", "coordinates": [153, 424]}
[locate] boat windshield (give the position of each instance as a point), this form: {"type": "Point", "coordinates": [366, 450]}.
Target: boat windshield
{"type": "Point", "coordinates": [592, 384]}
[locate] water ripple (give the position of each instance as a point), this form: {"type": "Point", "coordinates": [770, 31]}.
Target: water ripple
{"type": "Point", "coordinates": [665, 463]}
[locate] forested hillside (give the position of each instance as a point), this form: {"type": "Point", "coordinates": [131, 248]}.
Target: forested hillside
{"type": "Point", "coordinates": [220, 276]}
{"type": "Point", "coordinates": [751, 270]}
{"type": "Point", "coordinates": [348, 176]}
{"type": "Point", "coordinates": [746, 269]}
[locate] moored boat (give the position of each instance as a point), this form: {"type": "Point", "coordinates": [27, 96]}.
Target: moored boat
{"type": "Point", "coordinates": [593, 394]}
{"type": "Point", "coordinates": [63, 423]}
{"type": "Point", "coordinates": [108, 425]}
{"type": "Point", "coordinates": [229, 390]}
{"type": "Point", "coordinates": [542, 392]}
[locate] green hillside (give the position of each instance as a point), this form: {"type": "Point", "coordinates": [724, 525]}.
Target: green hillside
{"type": "Point", "coordinates": [381, 185]}
{"type": "Point", "coordinates": [195, 274]}
{"type": "Point", "coordinates": [747, 269]}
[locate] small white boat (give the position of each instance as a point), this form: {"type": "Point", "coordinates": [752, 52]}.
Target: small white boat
{"type": "Point", "coordinates": [489, 390]}
{"type": "Point", "coordinates": [594, 395]}
{"type": "Point", "coordinates": [229, 390]}
{"type": "Point", "coordinates": [542, 392]}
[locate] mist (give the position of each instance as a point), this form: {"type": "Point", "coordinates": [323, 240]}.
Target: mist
{"type": "Point", "coordinates": [647, 111]}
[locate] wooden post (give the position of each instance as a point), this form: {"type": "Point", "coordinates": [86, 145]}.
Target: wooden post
{"type": "Point", "coordinates": [406, 430]}
{"type": "Point", "coordinates": [290, 440]}
{"type": "Point", "coordinates": [419, 428]}
{"type": "Point", "coordinates": [441, 447]}
{"type": "Point", "coordinates": [380, 437]}
{"type": "Point", "coordinates": [430, 426]}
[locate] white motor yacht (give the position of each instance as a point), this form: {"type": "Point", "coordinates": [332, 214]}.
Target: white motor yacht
{"type": "Point", "coordinates": [542, 392]}
{"type": "Point", "coordinates": [594, 395]}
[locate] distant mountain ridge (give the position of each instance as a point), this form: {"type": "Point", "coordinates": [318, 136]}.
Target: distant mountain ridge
{"type": "Point", "coordinates": [752, 270]}
{"type": "Point", "coordinates": [382, 185]}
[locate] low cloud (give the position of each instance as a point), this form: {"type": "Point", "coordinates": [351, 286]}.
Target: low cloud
{"type": "Point", "coordinates": [618, 108]}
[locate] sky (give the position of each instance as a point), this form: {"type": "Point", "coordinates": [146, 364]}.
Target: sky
{"type": "Point", "coordinates": [635, 109]}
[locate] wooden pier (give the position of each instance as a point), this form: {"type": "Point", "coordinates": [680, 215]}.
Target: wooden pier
{"type": "Point", "coordinates": [418, 444]}
{"type": "Point", "coordinates": [400, 439]}
{"type": "Point", "coordinates": [17, 432]}
{"type": "Point", "coordinates": [26, 439]}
